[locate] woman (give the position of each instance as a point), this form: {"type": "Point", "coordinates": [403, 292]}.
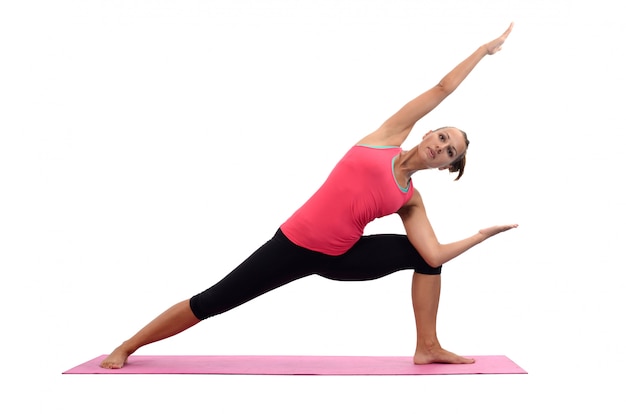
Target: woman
{"type": "Point", "coordinates": [325, 236]}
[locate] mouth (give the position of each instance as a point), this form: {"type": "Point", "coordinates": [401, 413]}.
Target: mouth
{"type": "Point", "coordinates": [431, 153]}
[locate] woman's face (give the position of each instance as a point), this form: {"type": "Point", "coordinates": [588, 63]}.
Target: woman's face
{"type": "Point", "coordinates": [442, 147]}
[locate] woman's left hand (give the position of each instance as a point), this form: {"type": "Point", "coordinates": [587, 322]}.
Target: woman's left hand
{"type": "Point", "coordinates": [492, 231]}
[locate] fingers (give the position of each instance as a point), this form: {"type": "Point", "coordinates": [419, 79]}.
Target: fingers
{"type": "Point", "coordinates": [509, 227]}
{"type": "Point", "coordinates": [496, 45]}
{"type": "Point", "coordinates": [506, 33]}
{"type": "Point", "coordinates": [492, 231]}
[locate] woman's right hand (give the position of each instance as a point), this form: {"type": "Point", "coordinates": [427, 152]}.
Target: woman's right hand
{"type": "Point", "coordinates": [496, 44]}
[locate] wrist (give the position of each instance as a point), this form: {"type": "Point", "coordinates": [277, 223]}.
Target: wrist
{"type": "Point", "coordinates": [480, 237]}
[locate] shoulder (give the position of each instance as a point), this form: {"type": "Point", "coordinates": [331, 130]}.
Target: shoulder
{"type": "Point", "coordinates": [415, 202]}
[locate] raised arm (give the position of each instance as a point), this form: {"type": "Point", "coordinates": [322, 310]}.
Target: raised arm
{"type": "Point", "coordinates": [423, 238]}
{"type": "Point", "coordinates": [396, 129]}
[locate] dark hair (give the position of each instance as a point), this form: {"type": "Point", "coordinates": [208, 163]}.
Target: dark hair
{"type": "Point", "coordinates": [459, 164]}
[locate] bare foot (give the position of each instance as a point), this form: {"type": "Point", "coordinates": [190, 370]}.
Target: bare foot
{"type": "Point", "coordinates": [116, 359]}
{"type": "Point", "coordinates": [438, 355]}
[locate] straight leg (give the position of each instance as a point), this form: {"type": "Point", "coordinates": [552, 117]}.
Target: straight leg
{"type": "Point", "coordinates": [274, 264]}
{"type": "Point", "coordinates": [171, 322]}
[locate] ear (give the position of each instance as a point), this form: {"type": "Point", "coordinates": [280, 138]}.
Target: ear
{"type": "Point", "coordinates": [426, 134]}
{"type": "Point", "coordinates": [444, 168]}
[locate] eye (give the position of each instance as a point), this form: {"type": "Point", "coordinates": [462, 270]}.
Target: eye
{"type": "Point", "coordinates": [450, 153]}
{"type": "Point", "coordinates": [441, 137]}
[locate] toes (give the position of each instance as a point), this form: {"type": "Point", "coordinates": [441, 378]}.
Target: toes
{"type": "Point", "coordinates": [110, 365]}
{"type": "Point", "coordinates": [441, 357]}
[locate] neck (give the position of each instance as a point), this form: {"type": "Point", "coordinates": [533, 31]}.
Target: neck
{"type": "Point", "coordinates": [409, 162]}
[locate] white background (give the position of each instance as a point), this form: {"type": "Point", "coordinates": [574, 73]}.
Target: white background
{"type": "Point", "coordinates": [147, 147]}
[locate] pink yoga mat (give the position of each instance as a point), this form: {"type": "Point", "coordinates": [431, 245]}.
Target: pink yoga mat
{"type": "Point", "coordinates": [296, 365]}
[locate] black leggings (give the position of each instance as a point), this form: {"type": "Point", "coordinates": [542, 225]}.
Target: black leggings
{"type": "Point", "coordinates": [279, 261]}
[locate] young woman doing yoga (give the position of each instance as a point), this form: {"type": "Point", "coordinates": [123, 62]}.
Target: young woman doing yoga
{"type": "Point", "coordinates": [325, 235]}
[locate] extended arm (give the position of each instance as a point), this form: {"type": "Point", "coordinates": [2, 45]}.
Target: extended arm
{"type": "Point", "coordinates": [396, 129]}
{"type": "Point", "coordinates": [423, 238]}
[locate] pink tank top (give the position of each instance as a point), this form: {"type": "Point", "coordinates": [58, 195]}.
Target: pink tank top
{"type": "Point", "coordinates": [361, 188]}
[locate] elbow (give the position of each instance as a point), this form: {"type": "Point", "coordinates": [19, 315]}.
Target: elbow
{"type": "Point", "coordinates": [430, 252]}
{"type": "Point", "coordinates": [445, 87]}
{"type": "Point", "coordinates": [432, 259]}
